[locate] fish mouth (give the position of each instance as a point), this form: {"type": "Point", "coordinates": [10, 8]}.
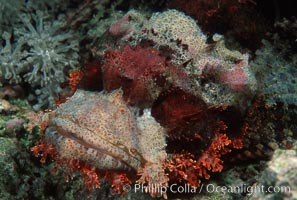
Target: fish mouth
{"type": "Point", "coordinates": [55, 134]}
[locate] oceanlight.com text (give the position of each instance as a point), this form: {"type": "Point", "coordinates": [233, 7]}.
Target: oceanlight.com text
{"type": "Point", "coordinates": [205, 188]}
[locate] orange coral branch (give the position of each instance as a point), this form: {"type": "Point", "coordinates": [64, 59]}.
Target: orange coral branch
{"type": "Point", "coordinates": [74, 79]}
{"type": "Point", "coordinates": [119, 182]}
{"type": "Point", "coordinates": [44, 149]}
{"type": "Point", "coordinates": [184, 167]}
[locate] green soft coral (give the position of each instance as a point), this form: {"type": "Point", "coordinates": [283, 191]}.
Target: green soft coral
{"type": "Point", "coordinates": [11, 59]}
{"type": "Point", "coordinates": [40, 54]}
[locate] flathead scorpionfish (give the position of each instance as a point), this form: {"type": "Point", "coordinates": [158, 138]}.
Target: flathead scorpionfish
{"type": "Point", "coordinates": [100, 129]}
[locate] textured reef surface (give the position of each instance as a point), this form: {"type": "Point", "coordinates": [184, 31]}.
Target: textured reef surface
{"type": "Point", "coordinates": [142, 100]}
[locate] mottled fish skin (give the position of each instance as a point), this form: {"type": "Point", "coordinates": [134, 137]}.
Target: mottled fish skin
{"type": "Point", "coordinates": [72, 149]}
{"type": "Point", "coordinates": [100, 129]}
{"type": "Point", "coordinates": [97, 127]}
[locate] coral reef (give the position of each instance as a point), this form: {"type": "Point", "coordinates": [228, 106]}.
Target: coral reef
{"type": "Point", "coordinates": [103, 130]}
{"type": "Point", "coordinates": [160, 100]}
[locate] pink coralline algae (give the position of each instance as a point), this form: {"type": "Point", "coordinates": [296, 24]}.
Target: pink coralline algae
{"type": "Point", "coordinates": [118, 28]}
{"type": "Point", "coordinates": [237, 77]}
